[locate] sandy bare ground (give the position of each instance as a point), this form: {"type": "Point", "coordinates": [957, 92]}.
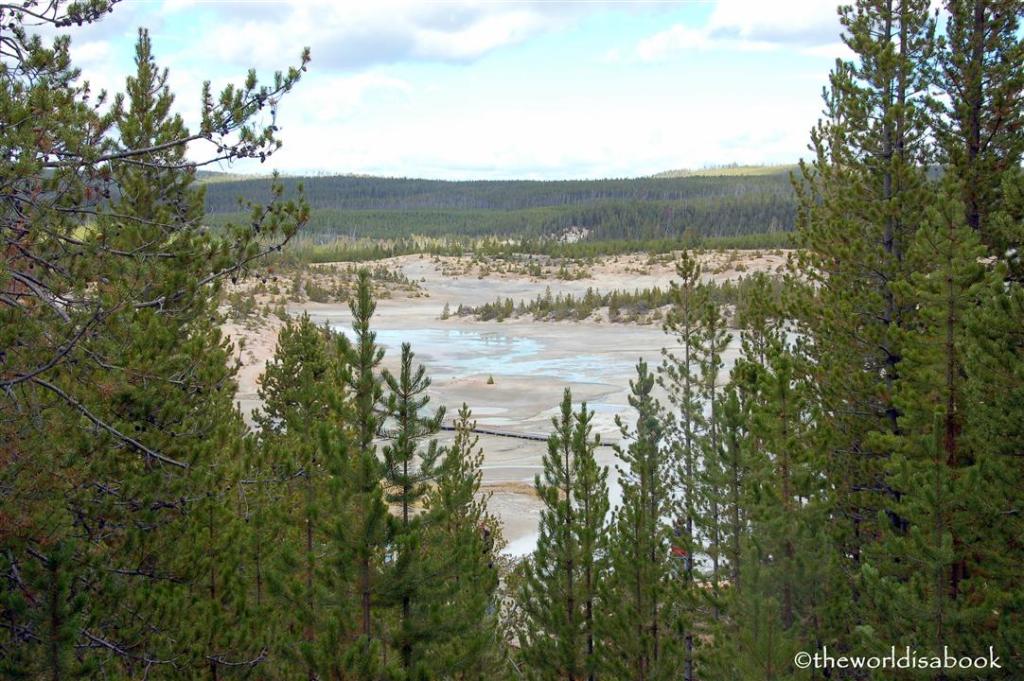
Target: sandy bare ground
{"type": "Point", "coordinates": [516, 402]}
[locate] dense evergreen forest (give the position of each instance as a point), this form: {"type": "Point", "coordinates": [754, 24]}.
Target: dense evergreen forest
{"type": "Point", "coordinates": [854, 482]}
{"type": "Point", "coordinates": [642, 208]}
{"type": "Point", "coordinates": [354, 192]}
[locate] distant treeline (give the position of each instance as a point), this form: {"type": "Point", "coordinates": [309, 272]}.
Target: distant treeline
{"type": "Point", "coordinates": [638, 305]}
{"type": "Point", "coordinates": [642, 208]}
{"type": "Point", "coordinates": [382, 193]}
{"type": "Point", "coordinates": [313, 249]}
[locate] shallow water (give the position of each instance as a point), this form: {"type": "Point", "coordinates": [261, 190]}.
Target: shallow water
{"type": "Point", "coordinates": [452, 353]}
{"type": "Point", "coordinates": [449, 353]}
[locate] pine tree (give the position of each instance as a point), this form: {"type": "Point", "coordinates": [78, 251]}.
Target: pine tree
{"type": "Point", "coordinates": [724, 490]}
{"type": "Point", "coordinates": [591, 495]}
{"type": "Point", "coordinates": [641, 641]}
{"type": "Point", "coordinates": [408, 470]}
{"type": "Point", "coordinates": [937, 452]}
{"type": "Point", "coordinates": [860, 204]}
{"type": "Point", "coordinates": [297, 400]}
{"type": "Point", "coordinates": [979, 131]}
{"type": "Point", "coordinates": [167, 380]}
{"type": "Point", "coordinates": [711, 479]}
{"type": "Point", "coordinates": [463, 537]}
{"type": "Point", "coordinates": [265, 501]}
{"type": "Point", "coordinates": [188, 415]}
{"type": "Point", "coordinates": [111, 350]}
{"type": "Point", "coordinates": [365, 536]}
{"type": "Point", "coordinates": [777, 606]}
{"type": "Point", "coordinates": [561, 578]}
{"type": "Point", "coordinates": [678, 374]}
{"type": "Point", "coordinates": [553, 647]}
{"type": "Point", "coordinates": [995, 398]}
{"type": "Point", "coordinates": [735, 469]}
{"type": "Point", "coordinates": [291, 393]}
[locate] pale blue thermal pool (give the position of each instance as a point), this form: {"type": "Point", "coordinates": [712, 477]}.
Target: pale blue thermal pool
{"type": "Point", "coordinates": [606, 365]}
{"type": "Point", "coordinates": [450, 353]}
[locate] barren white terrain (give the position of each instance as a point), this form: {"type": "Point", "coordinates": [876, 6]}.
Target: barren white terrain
{"type": "Point", "coordinates": [530, 362]}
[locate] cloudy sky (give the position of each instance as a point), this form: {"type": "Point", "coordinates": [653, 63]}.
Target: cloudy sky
{"type": "Point", "coordinates": [524, 89]}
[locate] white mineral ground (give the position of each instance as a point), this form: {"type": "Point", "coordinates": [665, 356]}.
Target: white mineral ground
{"type": "Point", "coordinates": [531, 362]}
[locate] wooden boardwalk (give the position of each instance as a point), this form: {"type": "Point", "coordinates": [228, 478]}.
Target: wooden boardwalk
{"type": "Point", "coordinates": [517, 436]}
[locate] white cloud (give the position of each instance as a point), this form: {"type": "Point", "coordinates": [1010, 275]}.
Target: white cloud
{"type": "Point", "coordinates": [808, 26]}
{"type": "Point", "coordinates": [516, 137]}
{"type": "Point", "coordinates": [680, 37]}
{"type": "Point", "coordinates": [329, 98]}
{"type": "Point", "coordinates": [834, 50]}
{"type": "Point", "coordinates": [677, 38]}
{"type": "Point", "coordinates": [802, 22]}
{"type": "Point", "coordinates": [612, 56]}
{"type": "Point", "coordinates": [353, 35]}
{"type": "Point", "coordinates": [98, 63]}
{"type": "Point", "coordinates": [354, 112]}
{"type": "Point", "coordinates": [84, 53]}
{"type": "Point", "coordinates": [477, 37]}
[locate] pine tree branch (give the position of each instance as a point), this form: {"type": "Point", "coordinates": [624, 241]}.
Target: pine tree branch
{"type": "Point", "coordinates": [100, 423]}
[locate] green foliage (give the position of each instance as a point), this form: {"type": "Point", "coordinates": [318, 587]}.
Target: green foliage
{"type": "Point", "coordinates": [852, 481]}
{"type": "Point", "coordinates": [366, 534]}
{"type": "Point", "coordinates": [119, 461]}
{"type": "Point", "coordinates": [642, 306]}
{"type": "Point", "coordinates": [642, 625]}
{"type": "Point", "coordinates": [860, 207]}
{"type": "Point", "coordinates": [299, 393]}
{"type": "Point", "coordinates": [559, 591]}
{"type": "Point", "coordinates": [685, 419]}
{"type": "Point", "coordinates": [898, 271]}
{"type": "Point", "coordinates": [979, 129]}
{"type": "Point", "coordinates": [463, 537]}
{"type": "Point", "coordinates": [408, 470]}
{"type": "Point", "coordinates": [634, 209]}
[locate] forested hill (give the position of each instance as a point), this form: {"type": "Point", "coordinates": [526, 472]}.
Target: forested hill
{"type": "Point", "coordinates": [363, 192]}
{"type": "Point", "coordinates": [652, 207]}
